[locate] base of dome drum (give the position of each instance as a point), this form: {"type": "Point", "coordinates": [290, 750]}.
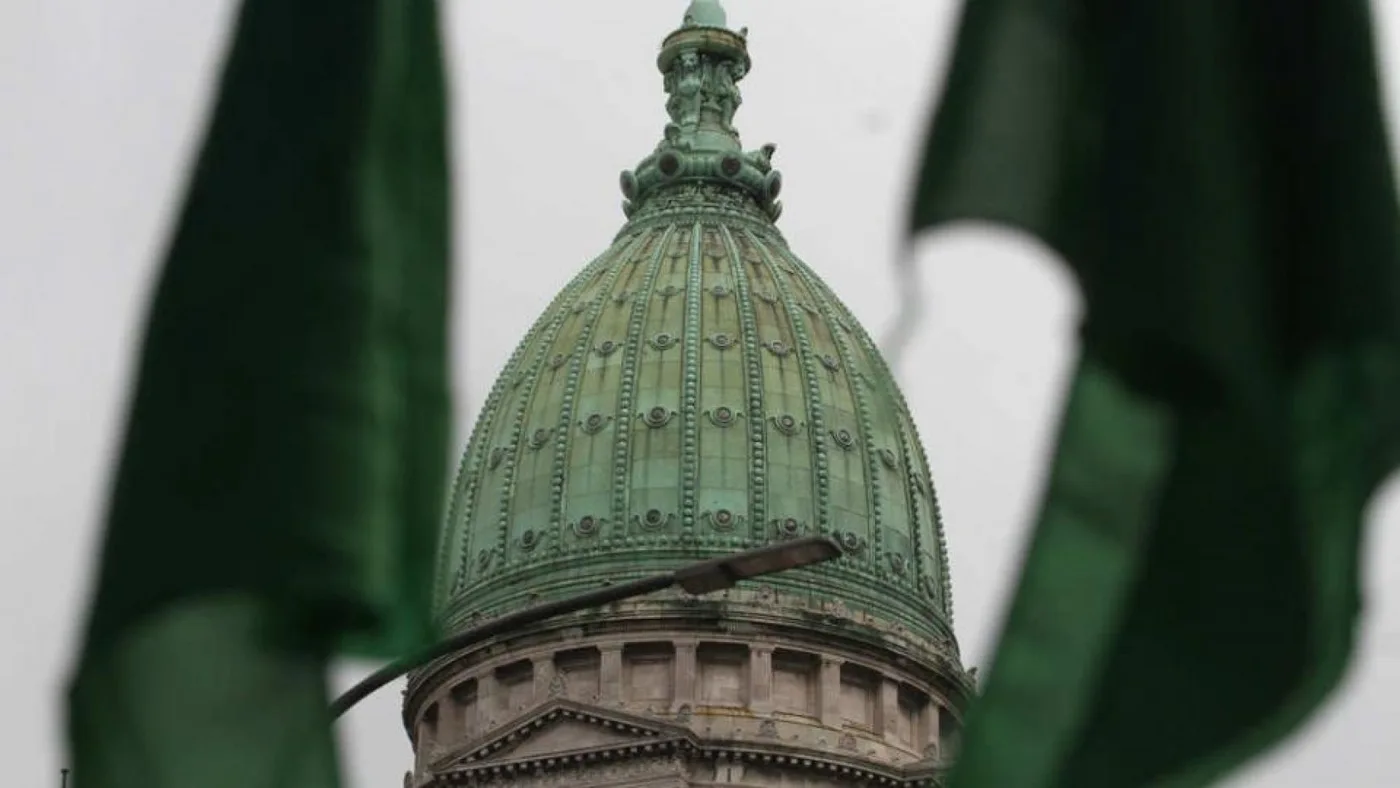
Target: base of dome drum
{"type": "Point", "coordinates": [648, 693]}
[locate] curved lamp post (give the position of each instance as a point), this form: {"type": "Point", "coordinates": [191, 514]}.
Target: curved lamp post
{"type": "Point", "coordinates": [704, 577]}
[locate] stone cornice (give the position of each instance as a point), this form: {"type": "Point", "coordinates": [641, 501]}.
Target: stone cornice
{"type": "Point", "coordinates": [867, 642]}
{"type": "Point", "coordinates": [687, 747]}
{"type": "Point", "coordinates": [781, 594]}
{"type": "Point", "coordinates": [514, 772]}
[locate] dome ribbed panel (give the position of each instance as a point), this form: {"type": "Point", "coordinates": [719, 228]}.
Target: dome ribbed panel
{"type": "Point", "coordinates": [485, 453]}
{"type": "Point", "coordinates": [696, 390]}
{"type": "Point", "coordinates": [916, 485]}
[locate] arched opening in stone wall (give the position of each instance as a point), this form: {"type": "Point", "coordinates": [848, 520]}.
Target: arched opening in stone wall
{"type": "Point", "coordinates": [949, 734]}
{"type": "Point", "coordinates": [859, 694]}
{"type": "Point", "coordinates": [908, 725]}
{"type": "Point", "coordinates": [576, 674]}
{"type": "Point", "coordinates": [724, 674]}
{"type": "Point", "coordinates": [426, 734]}
{"type": "Point", "coordinates": [515, 688]}
{"type": "Point", "coordinates": [462, 711]}
{"type": "Point", "coordinates": [795, 683]}
{"type": "Point", "coordinates": [648, 674]}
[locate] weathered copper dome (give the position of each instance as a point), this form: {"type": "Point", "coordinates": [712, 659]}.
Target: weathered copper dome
{"type": "Point", "coordinates": [696, 390]}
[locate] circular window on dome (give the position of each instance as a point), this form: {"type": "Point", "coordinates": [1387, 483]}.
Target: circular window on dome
{"type": "Point", "coordinates": [586, 526]}
{"type": "Point", "coordinates": [724, 520]}
{"type": "Point", "coordinates": [528, 540]}
{"type": "Point", "coordinates": [669, 164]}
{"type": "Point", "coordinates": [657, 417]}
{"type": "Point", "coordinates": [785, 423]}
{"type": "Point", "coordinates": [594, 423]}
{"type": "Point", "coordinates": [606, 347]}
{"type": "Point", "coordinates": [539, 439]}
{"type": "Point", "coordinates": [851, 542]}
{"type": "Point", "coordinates": [663, 341]}
{"type": "Point", "coordinates": [788, 526]}
{"type": "Point", "coordinates": [897, 563]}
{"type": "Point", "coordinates": [730, 165]}
{"type": "Point", "coordinates": [719, 291]}
{"type": "Point", "coordinates": [777, 347]}
{"type": "Point", "coordinates": [843, 438]}
{"type": "Point", "coordinates": [830, 362]}
{"type": "Point", "coordinates": [722, 341]}
{"type": "Point", "coordinates": [654, 519]}
{"type": "Point", "coordinates": [723, 416]}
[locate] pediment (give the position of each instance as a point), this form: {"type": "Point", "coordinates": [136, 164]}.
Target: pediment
{"type": "Point", "coordinates": [561, 727]}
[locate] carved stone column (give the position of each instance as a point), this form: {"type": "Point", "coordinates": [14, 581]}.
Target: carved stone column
{"type": "Point", "coordinates": [451, 725]}
{"type": "Point", "coordinates": [831, 692]}
{"type": "Point", "coordinates": [543, 672]}
{"type": "Point", "coordinates": [887, 711]}
{"type": "Point", "coordinates": [610, 673]}
{"type": "Point", "coordinates": [761, 678]}
{"type": "Point", "coordinates": [928, 740]}
{"type": "Point", "coordinates": [683, 693]}
{"type": "Point", "coordinates": [487, 701]}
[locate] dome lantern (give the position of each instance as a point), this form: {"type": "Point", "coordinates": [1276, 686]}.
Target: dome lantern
{"type": "Point", "coordinates": [702, 63]}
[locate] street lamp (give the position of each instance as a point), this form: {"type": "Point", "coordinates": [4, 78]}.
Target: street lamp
{"type": "Point", "coordinates": [703, 577]}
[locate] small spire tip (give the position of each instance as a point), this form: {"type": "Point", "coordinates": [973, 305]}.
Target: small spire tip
{"type": "Point", "coordinates": [706, 13]}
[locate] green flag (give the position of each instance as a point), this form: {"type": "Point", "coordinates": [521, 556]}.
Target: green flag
{"type": "Point", "coordinates": [280, 483]}
{"type": "Point", "coordinates": [1216, 176]}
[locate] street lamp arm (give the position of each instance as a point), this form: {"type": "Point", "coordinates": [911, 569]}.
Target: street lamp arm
{"type": "Point", "coordinates": [702, 577]}
{"type": "Point", "coordinates": [496, 626]}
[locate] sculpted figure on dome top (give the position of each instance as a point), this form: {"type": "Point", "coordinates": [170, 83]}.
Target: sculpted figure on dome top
{"type": "Point", "coordinates": [725, 91]}
{"type": "Point", "coordinates": [685, 83]}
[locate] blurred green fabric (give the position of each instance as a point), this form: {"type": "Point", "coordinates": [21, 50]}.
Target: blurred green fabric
{"type": "Point", "coordinates": [1217, 177]}
{"type": "Point", "coordinates": [280, 484]}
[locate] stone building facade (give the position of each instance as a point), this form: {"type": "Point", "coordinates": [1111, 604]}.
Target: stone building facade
{"type": "Point", "coordinates": [696, 390]}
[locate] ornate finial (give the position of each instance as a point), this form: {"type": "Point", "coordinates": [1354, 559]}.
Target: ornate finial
{"type": "Point", "coordinates": [702, 63]}
{"type": "Point", "coordinates": [705, 13]}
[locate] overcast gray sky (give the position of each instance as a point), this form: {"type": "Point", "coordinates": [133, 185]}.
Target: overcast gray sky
{"type": "Point", "coordinates": [103, 102]}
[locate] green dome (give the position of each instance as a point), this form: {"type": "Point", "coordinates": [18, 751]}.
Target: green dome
{"type": "Point", "coordinates": [696, 390]}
